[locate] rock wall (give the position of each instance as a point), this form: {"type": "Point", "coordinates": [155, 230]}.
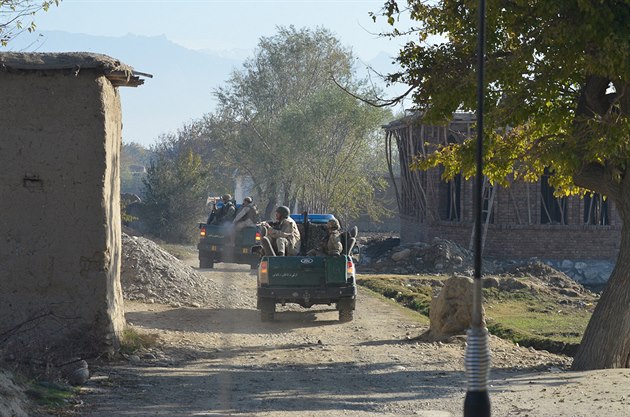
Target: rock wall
{"type": "Point", "coordinates": [60, 225]}
{"type": "Point", "coordinates": [586, 272]}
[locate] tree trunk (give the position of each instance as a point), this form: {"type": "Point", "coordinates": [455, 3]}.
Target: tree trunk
{"type": "Point", "coordinates": [606, 342]}
{"type": "Point", "coordinates": [272, 200]}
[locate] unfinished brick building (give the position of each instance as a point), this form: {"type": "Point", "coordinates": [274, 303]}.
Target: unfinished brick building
{"type": "Point", "coordinates": [521, 221]}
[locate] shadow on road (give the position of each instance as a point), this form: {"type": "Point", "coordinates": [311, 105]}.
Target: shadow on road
{"type": "Point", "coordinates": [236, 321]}
{"type": "Point", "coordinates": [340, 387]}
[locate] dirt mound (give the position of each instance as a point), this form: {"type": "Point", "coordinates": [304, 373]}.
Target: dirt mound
{"type": "Point", "coordinates": [548, 276]}
{"type": "Point", "coordinates": [150, 274]}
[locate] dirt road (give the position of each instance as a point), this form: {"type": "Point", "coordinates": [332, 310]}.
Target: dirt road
{"type": "Point", "coordinates": [219, 362]}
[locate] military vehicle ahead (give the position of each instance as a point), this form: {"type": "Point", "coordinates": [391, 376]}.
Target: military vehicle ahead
{"type": "Point", "coordinates": [223, 243]}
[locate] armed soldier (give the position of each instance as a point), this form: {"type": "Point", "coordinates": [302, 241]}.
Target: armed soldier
{"type": "Point", "coordinates": [331, 243]}
{"type": "Point", "coordinates": [226, 213]}
{"type": "Point", "coordinates": [246, 215]}
{"type": "Point", "coordinates": [283, 234]}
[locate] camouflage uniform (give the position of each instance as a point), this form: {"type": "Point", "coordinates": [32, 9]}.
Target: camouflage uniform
{"type": "Point", "coordinates": [246, 215]}
{"type": "Point", "coordinates": [331, 244]}
{"type": "Point", "coordinates": [285, 237]}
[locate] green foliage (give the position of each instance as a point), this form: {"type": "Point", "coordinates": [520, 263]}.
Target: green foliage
{"type": "Point", "coordinates": [282, 121]}
{"type": "Point", "coordinates": [412, 294]}
{"type": "Point", "coordinates": [52, 397]}
{"type": "Point", "coordinates": [336, 137]}
{"type": "Point", "coordinates": [132, 157]}
{"type": "Point", "coordinates": [556, 73]}
{"type": "Point", "coordinates": [176, 187]}
{"type": "Point", "coordinates": [132, 340]}
{"type": "Point", "coordinates": [15, 15]}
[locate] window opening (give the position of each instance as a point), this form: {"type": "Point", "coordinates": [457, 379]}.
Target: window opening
{"type": "Point", "coordinates": [552, 210]}
{"type": "Point", "coordinates": [596, 210]}
{"type": "Point", "coordinates": [453, 199]}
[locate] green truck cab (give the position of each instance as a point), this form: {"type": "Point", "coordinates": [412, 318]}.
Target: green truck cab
{"type": "Point", "coordinates": [309, 280]}
{"type": "Point", "coordinates": [220, 243]}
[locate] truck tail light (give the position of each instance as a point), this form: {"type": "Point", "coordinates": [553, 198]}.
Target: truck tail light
{"type": "Point", "coordinates": [257, 236]}
{"type": "Point", "coordinates": [263, 273]}
{"type": "Point", "coordinates": [350, 268]}
{"type": "Point", "coordinates": [202, 232]}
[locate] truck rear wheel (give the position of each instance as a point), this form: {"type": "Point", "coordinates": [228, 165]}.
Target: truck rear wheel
{"type": "Point", "coordinates": [346, 316]}
{"type": "Point", "coordinates": [206, 262]}
{"type": "Point", "coordinates": [267, 310]}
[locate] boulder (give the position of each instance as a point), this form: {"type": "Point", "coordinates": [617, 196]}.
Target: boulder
{"type": "Point", "coordinates": [400, 255]}
{"type": "Point", "coordinates": [491, 282]}
{"type": "Point", "coordinates": [77, 372]}
{"type": "Point", "coordinates": [451, 310]}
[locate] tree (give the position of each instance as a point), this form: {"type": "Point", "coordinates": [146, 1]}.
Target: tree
{"type": "Point", "coordinates": [335, 139]}
{"type": "Point", "coordinates": [13, 14]}
{"type": "Point", "coordinates": [558, 76]}
{"type": "Point", "coordinates": [133, 156]}
{"type": "Point", "coordinates": [176, 186]}
{"type": "Point", "coordinates": [266, 114]}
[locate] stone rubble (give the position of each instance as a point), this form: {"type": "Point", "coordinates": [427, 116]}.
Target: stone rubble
{"type": "Point", "coordinates": [385, 254]}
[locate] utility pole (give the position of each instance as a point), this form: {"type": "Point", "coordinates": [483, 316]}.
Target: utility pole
{"type": "Point", "coordinates": [477, 402]}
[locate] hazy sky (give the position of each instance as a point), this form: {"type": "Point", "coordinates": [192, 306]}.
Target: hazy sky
{"type": "Point", "coordinates": [232, 26]}
{"type": "Point", "coordinates": [227, 28]}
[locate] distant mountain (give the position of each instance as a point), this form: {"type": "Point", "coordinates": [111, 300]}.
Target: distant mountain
{"type": "Point", "coordinates": [181, 87]}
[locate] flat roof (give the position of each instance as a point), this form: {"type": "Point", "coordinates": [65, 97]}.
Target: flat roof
{"type": "Point", "coordinates": [120, 75]}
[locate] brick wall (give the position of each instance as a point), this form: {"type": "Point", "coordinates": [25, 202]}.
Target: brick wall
{"type": "Point", "coordinates": [511, 236]}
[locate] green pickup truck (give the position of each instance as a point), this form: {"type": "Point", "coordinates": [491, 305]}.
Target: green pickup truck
{"type": "Point", "coordinates": [216, 244]}
{"type": "Point", "coordinates": [309, 280]}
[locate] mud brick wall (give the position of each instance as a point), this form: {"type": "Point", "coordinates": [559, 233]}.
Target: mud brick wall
{"type": "Point", "coordinates": [60, 238]}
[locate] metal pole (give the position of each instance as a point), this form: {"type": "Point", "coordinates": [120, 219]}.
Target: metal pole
{"type": "Point", "coordinates": [477, 402]}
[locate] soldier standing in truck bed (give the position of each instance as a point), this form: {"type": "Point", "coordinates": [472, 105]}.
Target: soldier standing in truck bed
{"type": "Point", "coordinates": [283, 234]}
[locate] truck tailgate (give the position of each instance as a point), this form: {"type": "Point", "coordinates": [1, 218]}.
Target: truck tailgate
{"type": "Point", "coordinates": [306, 271]}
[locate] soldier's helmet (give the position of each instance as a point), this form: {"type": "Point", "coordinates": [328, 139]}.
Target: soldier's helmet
{"type": "Point", "coordinates": [248, 200]}
{"type": "Point", "coordinates": [333, 224]}
{"type": "Point", "coordinates": [283, 211]}
{"type": "Point", "coordinates": [226, 198]}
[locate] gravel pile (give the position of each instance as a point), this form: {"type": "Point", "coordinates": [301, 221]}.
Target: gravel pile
{"type": "Point", "coordinates": [150, 274]}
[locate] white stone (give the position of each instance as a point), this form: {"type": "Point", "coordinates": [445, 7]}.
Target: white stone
{"type": "Point", "coordinates": [580, 266]}
{"type": "Point", "coordinates": [590, 275]}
